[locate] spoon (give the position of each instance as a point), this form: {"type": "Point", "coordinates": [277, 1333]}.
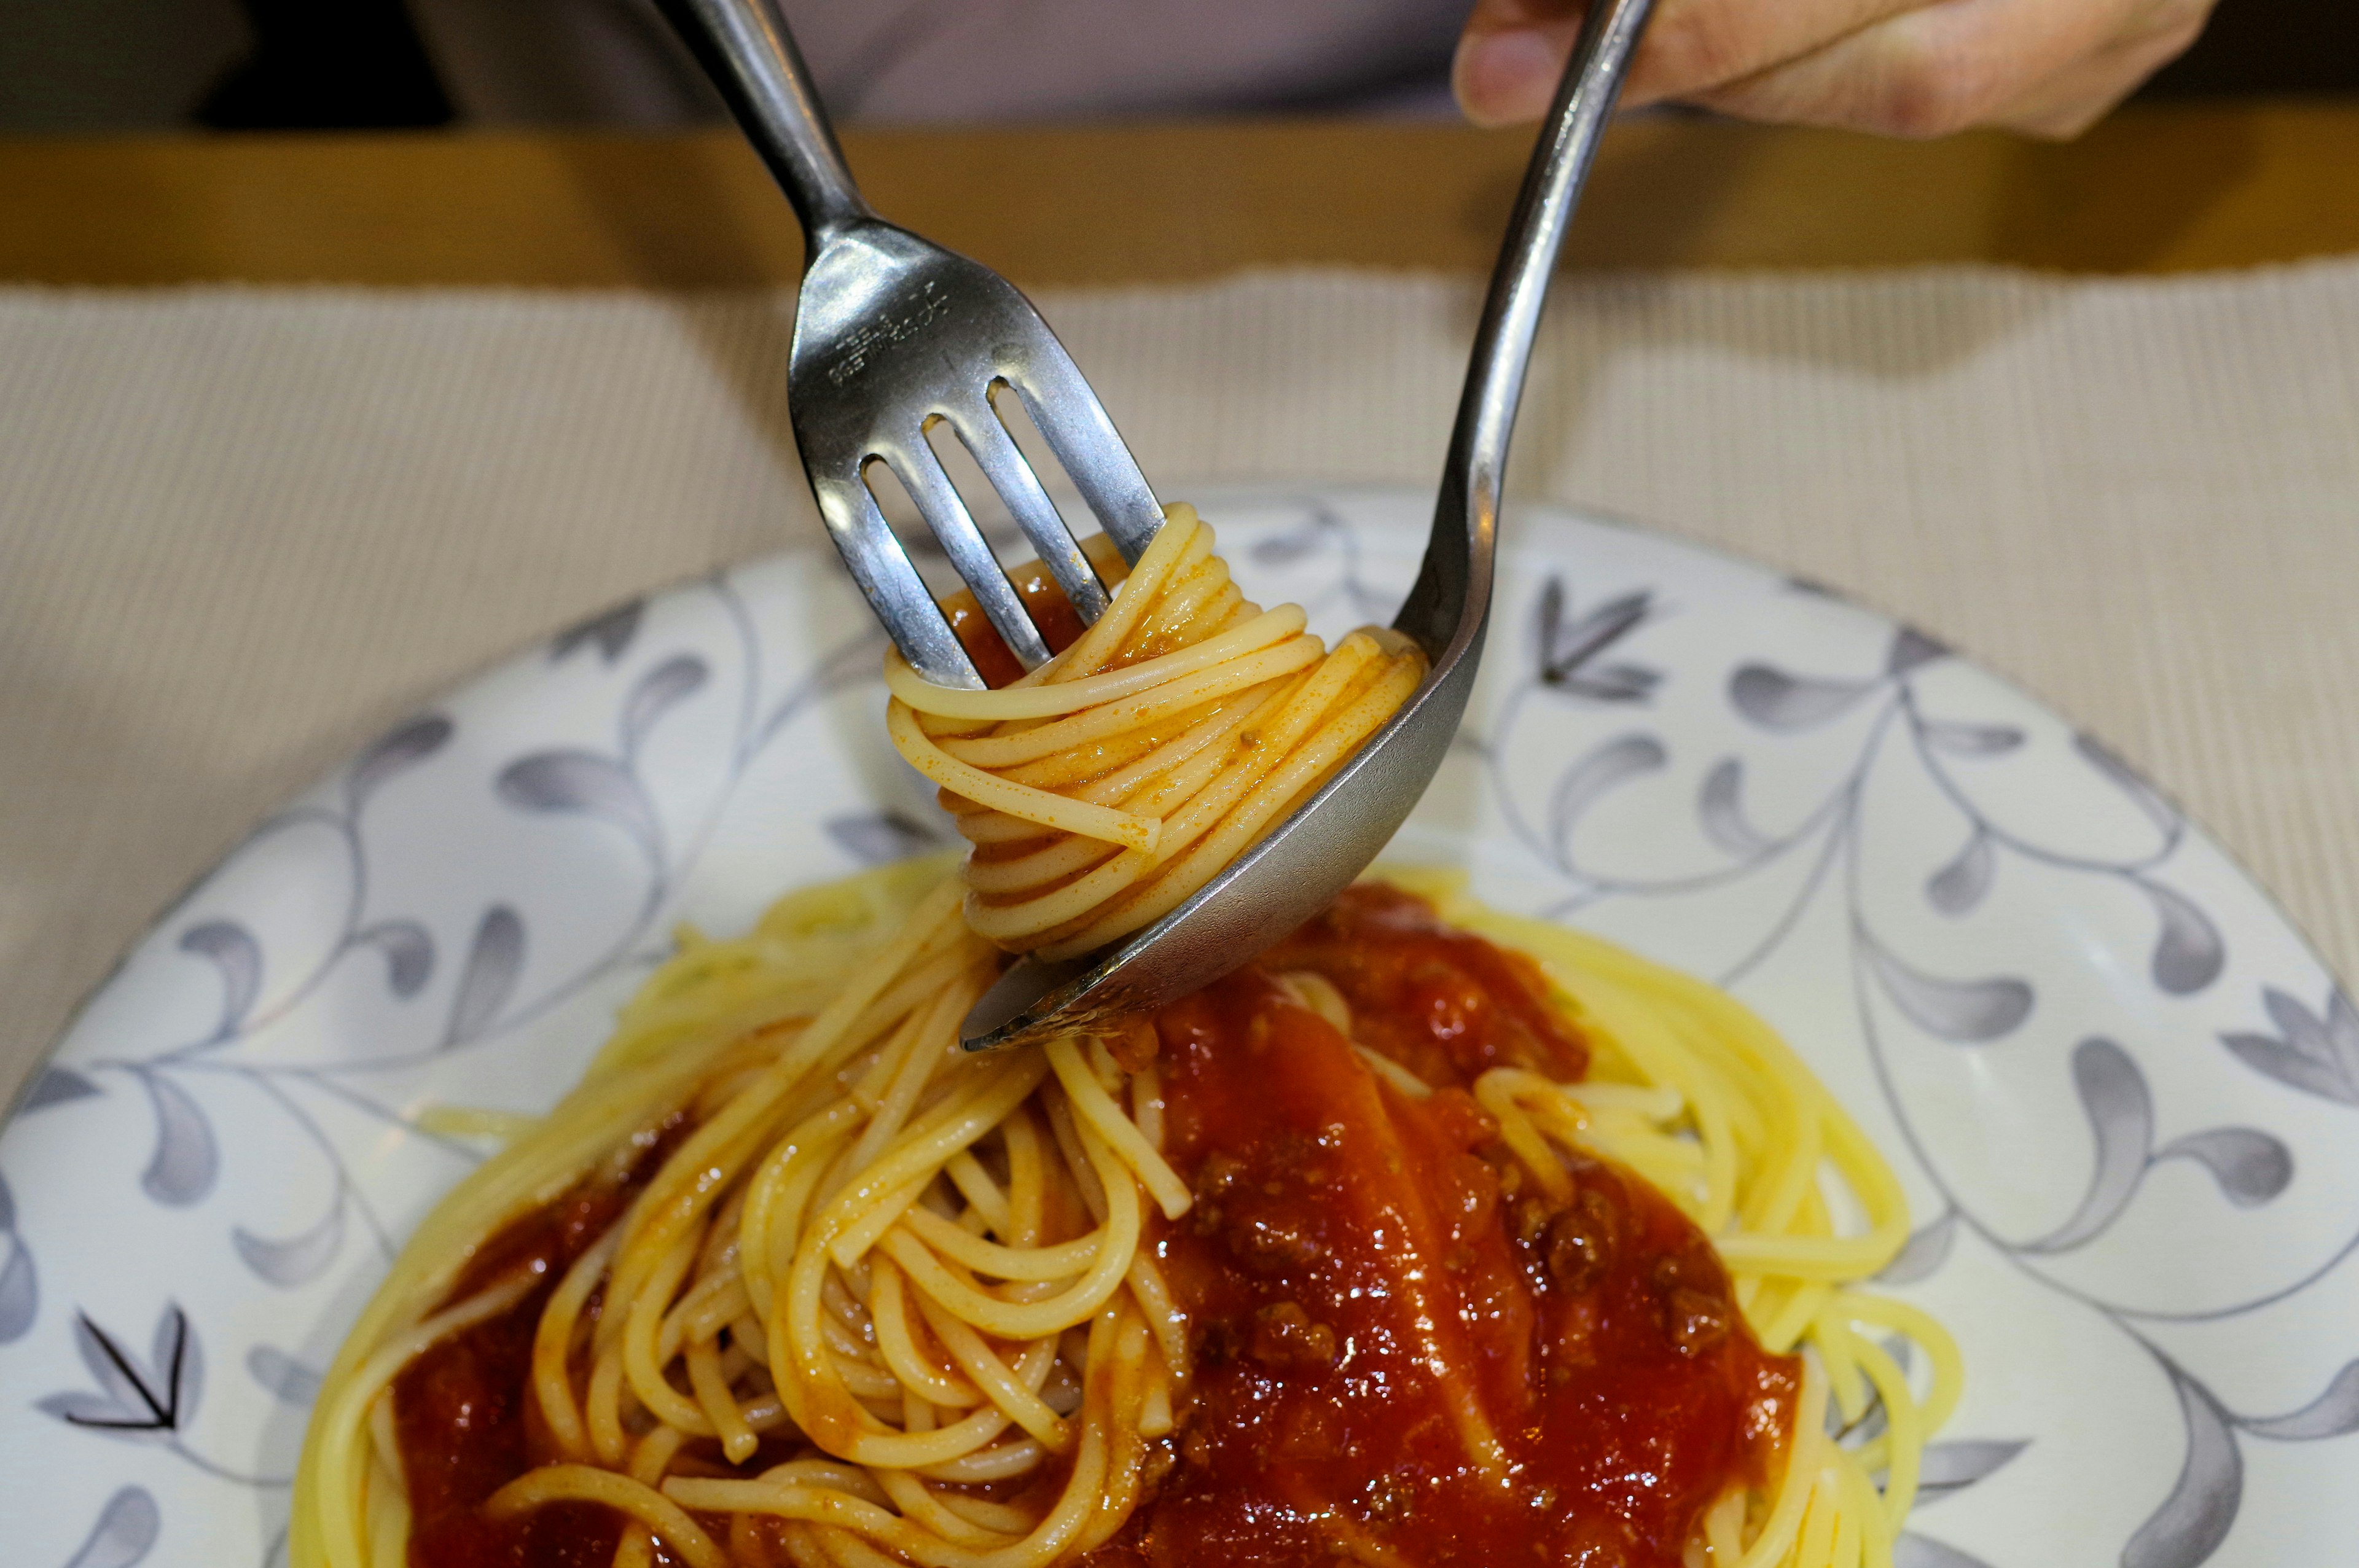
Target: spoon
{"type": "Point", "coordinates": [1298, 868]}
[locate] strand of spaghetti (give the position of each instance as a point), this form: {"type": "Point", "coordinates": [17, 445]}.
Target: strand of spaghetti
{"type": "Point", "coordinates": [587, 1484]}
{"type": "Point", "coordinates": [887, 1309]}
{"type": "Point", "coordinates": [1016, 800]}
{"type": "Point", "coordinates": [1020, 1403]}
{"type": "Point", "coordinates": [552, 1346]}
{"type": "Point", "coordinates": [357, 1393]}
{"type": "Point", "coordinates": [989, 1259]}
{"type": "Point", "coordinates": [1105, 720]}
{"type": "Point", "coordinates": [1797, 1481]}
{"type": "Point", "coordinates": [1097, 1108]}
{"type": "Point", "coordinates": [1236, 647]}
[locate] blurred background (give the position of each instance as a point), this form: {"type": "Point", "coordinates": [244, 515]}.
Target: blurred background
{"type": "Point", "coordinates": [97, 66]}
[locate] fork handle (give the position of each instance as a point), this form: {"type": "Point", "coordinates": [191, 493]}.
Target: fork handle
{"type": "Point", "coordinates": [745, 47]}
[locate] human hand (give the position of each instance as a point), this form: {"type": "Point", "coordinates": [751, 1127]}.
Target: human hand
{"type": "Point", "coordinates": [1905, 68]}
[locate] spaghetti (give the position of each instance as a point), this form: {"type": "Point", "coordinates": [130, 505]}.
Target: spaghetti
{"type": "Point", "coordinates": [788, 1278]}
{"type": "Point", "coordinates": [1104, 787]}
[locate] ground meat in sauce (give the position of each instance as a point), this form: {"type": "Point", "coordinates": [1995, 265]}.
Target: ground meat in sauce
{"type": "Point", "coordinates": [1355, 1260]}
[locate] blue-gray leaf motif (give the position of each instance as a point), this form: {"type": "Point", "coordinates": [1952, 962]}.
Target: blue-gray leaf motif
{"type": "Point", "coordinates": [57, 1086]}
{"type": "Point", "coordinates": [2334, 1413]}
{"type": "Point", "coordinates": [2120, 1110]}
{"type": "Point", "coordinates": [288, 1379]}
{"type": "Point", "coordinates": [20, 1291]}
{"type": "Point", "coordinates": [1971, 739]}
{"type": "Point", "coordinates": [288, 1261]}
{"type": "Point", "coordinates": [187, 1159]}
{"type": "Point", "coordinates": [1911, 648]}
{"type": "Point", "coordinates": [2318, 1056]}
{"type": "Point", "coordinates": [400, 749]}
{"type": "Point", "coordinates": [657, 692]}
{"type": "Point", "coordinates": [494, 961]}
{"type": "Point", "coordinates": [137, 1401]}
{"type": "Point", "coordinates": [2195, 1518]}
{"type": "Point", "coordinates": [879, 838]}
{"type": "Point", "coordinates": [233, 950]}
{"type": "Point", "coordinates": [1591, 779]}
{"type": "Point", "coordinates": [2251, 1167]}
{"type": "Point", "coordinates": [1925, 1253]}
{"type": "Point", "coordinates": [1774, 699]}
{"type": "Point", "coordinates": [1719, 807]}
{"type": "Point", "coordinates": [408, 954]}
{"type": "Point", "coordinates": [1952, 1466]}
{"type": "Point", "coordinates": [1910, 1550]}
{"type": "Point", "coordinates": [610, 630]}
{"type": "Point", "coordinates": [583, 783]}
{"type": "Point", "coordinates": [2189, 952]}
{"type": "Point", "coordinates": [125, 1533]}
{"type": "Point", "coordinates": [1958, 886]}
{"type": "Point", "coordinates": [1971, 1012]}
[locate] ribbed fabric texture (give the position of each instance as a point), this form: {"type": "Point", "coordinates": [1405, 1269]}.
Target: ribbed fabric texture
{"type": "Point", "coordinates": [241, 531]}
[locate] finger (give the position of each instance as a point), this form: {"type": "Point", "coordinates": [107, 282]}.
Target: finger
{"type": "Point", "coordinates": [1513, 51]}
{"type": "Point", "coordinates": [2068, 103]}
{"type": "Point", "coordinates": [1931, 72]}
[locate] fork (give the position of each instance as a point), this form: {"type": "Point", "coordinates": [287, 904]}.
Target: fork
{"type": "Point", "coordinates": [893, 334]}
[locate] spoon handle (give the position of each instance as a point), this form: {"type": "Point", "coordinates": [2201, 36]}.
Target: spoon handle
{"type": "Point", "coordinates": [1474, 472]}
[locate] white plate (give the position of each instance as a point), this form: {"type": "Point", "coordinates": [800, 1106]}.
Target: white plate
{"type": "Point", "coordinates": [2119, 1086]}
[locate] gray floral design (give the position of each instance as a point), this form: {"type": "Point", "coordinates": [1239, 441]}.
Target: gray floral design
{"type": "Point", "coordinates": [1662, 736]}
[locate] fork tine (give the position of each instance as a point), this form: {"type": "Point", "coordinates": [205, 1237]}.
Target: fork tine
{"type": "Point", "coordinates": [921, 474]}
{"type": "Point", "coordinates": [1004, 465]}
{"type": "Point", "coordinates": [881, 568]}
{"type": "Point", "coordinates": [1078, 429]}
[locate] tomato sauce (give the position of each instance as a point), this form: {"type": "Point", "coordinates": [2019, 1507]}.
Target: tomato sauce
{"type": "Point", "coordinates": [1407, 1355]}
{"type": "Point", "coordinates": [464, 1417]}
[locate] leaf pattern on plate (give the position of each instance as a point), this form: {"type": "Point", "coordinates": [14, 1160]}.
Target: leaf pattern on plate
{"type": "Point", "coordinates": [2251, 1167]}
{"type": "Point", "coordinates": [1776, 700]}
{"type": "Point", "coordinates": [1597, 774]}
{"type": "Point", "coordinates": [656, 693]}
{"type": "Point", "coordinates": [1954, 1465]}
{"type": "Point", "coordinates": [125, 1533]}
{"type": "Point", "coordinates": [187, 1160]}
{"type": "Point", "coordinates": [1970, 740]}
{"type": "Point", "coordinates": [2318, 1054]}
{"type": "Point", "coordinates": [1970, 1013]}
{"type": "Point", "coordinates": [2189, 953]}
{"type": "Point", "coordinates": [408, 954]}
{"type": "Point", "coordinates": [2335, 1413]}
{"type": "Point", "coordinates": [20, 1289]}
{"type": "Point", "coordinates": [1958, 887]}
{"type": "Point", "coordinates": [875, 838]}
{"type": "Point", "coordinates": [1924, 1254]}
{"type": "Point", "coordinates": [610, 632]}
{"type": "Point", "coordinates": [233, 950]}
{"type": "Point", "coordinates": [1719, 807]}
{"type": "Point", "coordinates": [1570, 646]}
{"type": "Point", "coordinates": [397, 751]}
{"type": "Point", "coordinates": [1910, 649]}
{"type": "Point", "coordinates": [2120, 1109]}
{"type": "Point", "coordinates": [57, 1086]}
{"type": "Point", "coordinates": [288, 1261]}
{"type": "Point", "coordinates": [587, 784]}
{"type": "Point", "coordinates": [2195, 1518]}
{"type": "Point", "coordinates": [137, 1401]}
{"type": "Point", "coordinates": [288, 1380]}
{"type": "Point", "coordinates": [494, 961]}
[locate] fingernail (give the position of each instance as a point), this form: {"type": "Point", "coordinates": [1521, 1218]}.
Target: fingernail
{"type": "Point", "coordinates": [1505, 79]}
